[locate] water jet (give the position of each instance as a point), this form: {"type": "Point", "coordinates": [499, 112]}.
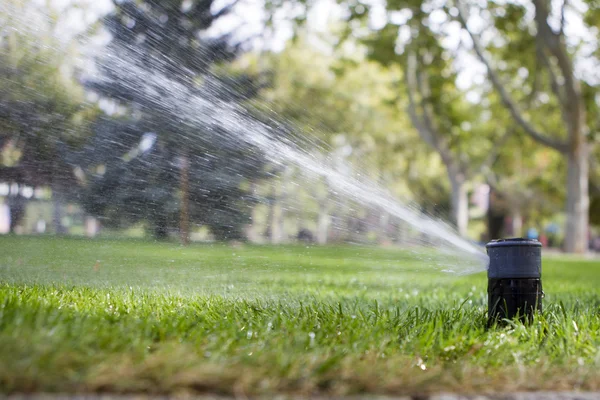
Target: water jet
{"type": "Point", "coordinates": [514, 279]}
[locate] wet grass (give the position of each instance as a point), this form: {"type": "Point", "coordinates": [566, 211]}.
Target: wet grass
{"type": "Point", "coordinates": [83, 316]}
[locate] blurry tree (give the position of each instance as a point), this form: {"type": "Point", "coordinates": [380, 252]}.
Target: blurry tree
{"type": "Point", "coordinates": [347, 107]}
{"type": "Point", "coordinates": [523, 185]}
{"type": "Point", "coordinates": [41, 105]}
{"type": "Point", "coordinates": [187, 173]}
{"type": "Point", "coordinates": [521, 174]}
{"type": "Point", "coordinates": [539, 46]}
{"type": "Point", "coordinates": [412, 40]}
{"type": "Point", "coordinates": [531, 63]}
{"type": "Point", "coordinates": [445, 121]}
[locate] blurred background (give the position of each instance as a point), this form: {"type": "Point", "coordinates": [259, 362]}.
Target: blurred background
{"type": "Point", "coordinates": [483, 114]}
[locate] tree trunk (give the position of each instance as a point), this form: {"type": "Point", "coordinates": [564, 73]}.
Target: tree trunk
{"type": "Point", "coordinates": [280, 197]}
{"type": "Point", "coordinates": [275, 229]}
{"type": "Point", "coordinates": [384, 220]}
{"type": "Point", "coordinates": [517, 223]}
{"type": "Point", "coordinates": [323, 222]}
{"type": "Point", "coordinates": [323, 217]}
{"type": "Point", "coordinates": [17, 211]}
{"type": "Point", "coordinates": [58, 210]}
{"type": "Point", "coordinates": [460, 203]}
{"type": "Point", "coordinates": [578, 201]}
{"type": "Point", "coordinates": [402, 233]}
{"type": "Point", "coordinates": [276, 221]}
{"type": "Point", "coordinates": [496, 215]}
{"type": "Point", "coordinates": [254, 234]}
{"type": "Point", "coordinates": [160, 228]}
{"type": "Point", "coordinates": [92, 227]}
{"type": "Point", "coordinates": [184, 213]}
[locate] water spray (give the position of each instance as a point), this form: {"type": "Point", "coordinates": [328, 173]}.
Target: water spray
{"type": "Point", "coordinates": [514, 279]}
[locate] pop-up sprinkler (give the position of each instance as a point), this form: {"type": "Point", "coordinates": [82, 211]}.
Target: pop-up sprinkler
{"type": "Point", "coordinates": [514, 279]}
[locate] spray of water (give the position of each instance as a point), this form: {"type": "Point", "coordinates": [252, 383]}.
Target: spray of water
{"type": "Point", "coordinates": [226, 121]}
{"type": "Point", "coordinates": [231, 122]}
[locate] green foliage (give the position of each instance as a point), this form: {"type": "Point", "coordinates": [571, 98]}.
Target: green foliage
{"type": "Point", "coordinates": [42, 105]}
{"type": "Point", "coordinates": [341, 100]}
{"type": "Point", "coordinates": [167, 39]}
{"type": "Point", "coordinates": [81, 316]}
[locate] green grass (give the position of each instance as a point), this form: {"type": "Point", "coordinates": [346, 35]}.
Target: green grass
{"type": "Point", "coordinates": [133, 316]}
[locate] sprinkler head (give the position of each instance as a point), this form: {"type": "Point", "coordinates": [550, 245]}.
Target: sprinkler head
{"type": "Point", "coordinates": [514, 279]}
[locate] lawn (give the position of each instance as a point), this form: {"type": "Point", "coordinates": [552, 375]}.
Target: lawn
{"type": "Point", "coordinates": [132, 316]}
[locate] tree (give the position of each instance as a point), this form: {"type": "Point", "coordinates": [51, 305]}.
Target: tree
{"type": "Point", "coordinates": [345, 110]}
{"type": "Point", "coordinates": [157, 47]}
{"type": "Point", "coordinates": [556, 66]}
{"type": "Point", "coordinates": [424, 120]}
{"type": "Point", "coordinates": [437, 107]}
{"type": "Point", "coordinates": [41, 106]}
{"type": "Point", "coordinates": [531, 63]}
{"type": "Point", "coordinates": [522, 183]}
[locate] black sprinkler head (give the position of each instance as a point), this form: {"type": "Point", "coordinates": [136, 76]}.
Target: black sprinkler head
{"type": "Point", "coordinates": [514, 279]}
